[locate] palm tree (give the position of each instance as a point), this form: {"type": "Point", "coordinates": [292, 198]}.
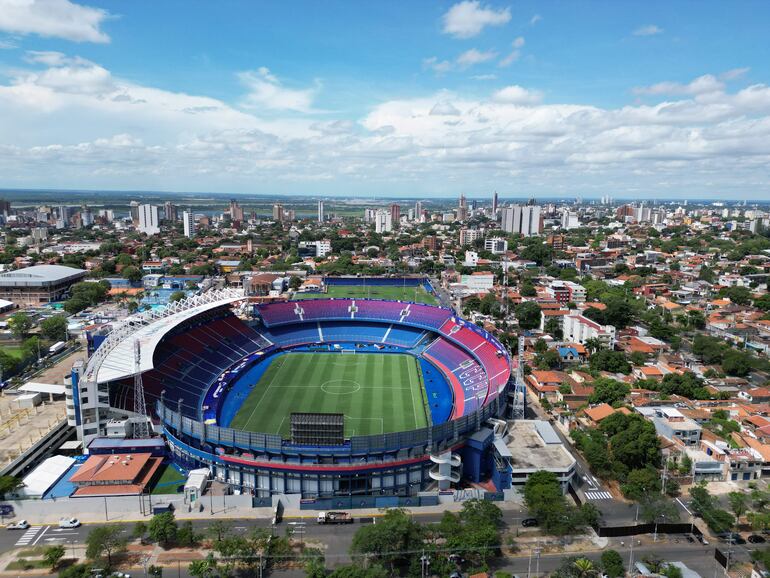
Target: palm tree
{"type": "Point", "coordinates": [593, 344]}
{"type": "Point", "coordinates": [584, 568]}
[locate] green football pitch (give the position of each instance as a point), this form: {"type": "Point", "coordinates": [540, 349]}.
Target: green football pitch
{"type": "Point", "coordinates": [377, 393]}
{"type": "Point", "coordinates": [418, 294]}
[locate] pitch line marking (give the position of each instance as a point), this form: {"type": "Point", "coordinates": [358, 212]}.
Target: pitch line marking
{"type": "Point", "coordinates": [277, 371]}
{"type": "Point", "coordinates": [351, 381]}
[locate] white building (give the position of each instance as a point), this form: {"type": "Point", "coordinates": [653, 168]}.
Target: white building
{"type": "Point", "coordinates": [320, 211]}
{"type": "Point", "coordinates": [524, 220]}
{"type": "Point", "coordinates": [579, 329]}
{"type": "Point", "coordinates": [479, 282]}
{"type": "Point", "coordinates": [149, 220]}
{"type": "Point", "coordinates": [496, 245]}
{"type": "Point", "coordinates": [569, 220]}
{"type": "Point", "coordinates": [383, 222]}
{"type": "Point", "coordinates": [188, 221]}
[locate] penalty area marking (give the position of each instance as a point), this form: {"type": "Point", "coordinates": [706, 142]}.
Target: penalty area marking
{"type": "Point", "coordinates": [343, 386]}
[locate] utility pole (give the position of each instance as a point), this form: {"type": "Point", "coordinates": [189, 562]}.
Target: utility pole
{"type": "Point", "coordinates": [424, 563]}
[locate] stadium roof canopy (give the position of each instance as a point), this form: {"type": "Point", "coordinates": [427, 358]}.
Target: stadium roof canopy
{"type": "Point", "coordinates": [119, 361]}
{"type": "Point", "coordinates": [40, 276]}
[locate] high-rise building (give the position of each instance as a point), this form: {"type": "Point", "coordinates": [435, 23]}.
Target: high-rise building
{"type": "Point", "coordinates": [5, 207]}
{"type": "Point", "coordinates": [278, 212]}
{"type": "Point", "coordinates": [134, 211]}
{"type": "Point", "coordinates": [462, 209]}
{"type": "Point", "coordinates": [382, 221]}
{"type": "Point", "coordinates": [494, 204]}
{"type": "Point", "coordinates": [524, 220]}
{"type": "Point", "coordinates": [236, 211]}
{"type": "Point", "coordinates": [395, 213]}
{"type": "Point", "coordinates": [468, 236]}
{"type": "Point", "coordinates": [63, 219]}
{"type": "Point", "coordinates": [188, 221]}
{"type": "Point", "coordinates": [418, 210]}
{"type": "Point", "coordinates": [86, 217]}
{"type": "Point", "coordinates": [569, 220]}
{"type": "Point", "coordinates": [320, 211]}
{"type": "Point", "coordinates": [170, 211]}
{"type": "Point", "coordinates": [149, 223]}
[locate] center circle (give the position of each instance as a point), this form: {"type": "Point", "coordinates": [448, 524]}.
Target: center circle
{"type": "Point", "coordinates": [340, 386]}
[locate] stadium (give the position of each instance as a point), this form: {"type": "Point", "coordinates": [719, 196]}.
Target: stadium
{"type": "Point", "coordinates": [322, 397]}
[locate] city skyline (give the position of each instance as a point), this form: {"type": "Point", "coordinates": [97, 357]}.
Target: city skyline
{"type": "Point", "coordinates": [530, 99]}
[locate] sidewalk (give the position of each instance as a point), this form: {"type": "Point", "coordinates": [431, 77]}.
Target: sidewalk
{"type": "Point", "coordinates": [128, 510]}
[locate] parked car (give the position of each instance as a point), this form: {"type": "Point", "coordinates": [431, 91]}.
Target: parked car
{"type": "Point", "coordinates": [20, 525]}
{"type": "Point", "coordinates": [732, 537]}
{"type": "Point", "coordinates": [529, 522]}
{"type": "Point", "coordinates": [702, 539]}
{"type": "Point", "coordinates": [69, 522]}
{"type": "Point", "coordinates": [756, 539]}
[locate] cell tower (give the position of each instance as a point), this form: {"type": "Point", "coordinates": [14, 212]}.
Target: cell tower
{"type": "Point", "coordinates": [519, 389]}
{"type": "Point", "coordinates": [142, 425]}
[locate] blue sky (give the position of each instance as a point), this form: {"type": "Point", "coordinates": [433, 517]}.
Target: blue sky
{"type": "Point", "coordinates": [362, 98]}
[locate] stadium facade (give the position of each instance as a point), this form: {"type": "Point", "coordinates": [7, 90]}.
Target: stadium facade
{"type": "Point", "coordinates": [200, 356]}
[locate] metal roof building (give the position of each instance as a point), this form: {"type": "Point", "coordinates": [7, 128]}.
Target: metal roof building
{"type": "Point", "coordinates": [38, 284]}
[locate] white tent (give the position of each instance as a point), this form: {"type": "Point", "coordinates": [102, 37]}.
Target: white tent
{"type": "Point", "coordinates": [43, 477]}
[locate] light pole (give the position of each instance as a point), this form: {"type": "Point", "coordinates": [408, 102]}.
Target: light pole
{"type": "Point", "coordinates": [424, 563]}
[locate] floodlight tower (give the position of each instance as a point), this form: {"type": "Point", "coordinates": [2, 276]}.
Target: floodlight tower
{"type": "Point", "coordinates": [519, 388]}
{"type": "Point", "coordinates": [141, 427]}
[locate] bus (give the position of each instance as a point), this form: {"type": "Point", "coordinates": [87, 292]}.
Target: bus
{"type": "Point", "coordinates": [57, 347]}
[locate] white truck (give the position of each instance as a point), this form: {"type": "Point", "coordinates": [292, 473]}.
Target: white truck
{"type": "Point", "coordinates": [334, 518]}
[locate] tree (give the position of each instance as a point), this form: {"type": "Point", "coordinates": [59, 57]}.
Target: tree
{"type": "Point", "coordinates": [54, 328]}
{"type": "Point", "coordinates": [9, 484]}
{"type": "Point", "coordinates": [739, 503]}
{"type": "Point", "coordinates": [545, 501]}
{"type": "Point", "coordinates": [608, 360]}
{"type": "Point", "coordinates": [210, 568]}
{"type": "Point", "coordinates": [584, 568]}
{"type": "Point", "coordinates": [612, 563]}
{"type": "Point", "coordinates": [53, 555]}
{"type": "Point", "coordinates": [295, 283]}
{"type": "Point", "coordinates": [20, 324]}
{"type": "Point", "coordinates": [607, 390]}
{"type": "Point", "coordinates": [219, 529]}
{"type": "Point", "coordinates": [640, 483]}
{"type": "Point", "coordinates": [390, 540]}
{"type": "Point", "coordinates": [656, 508]}
{"type": "Point", "coordinates": [140, 529]}
{"type": "Point", "coordinates": [736, 363]}
{"type": "Point", "coordinates": [105, 540]}
{"type": "Point", "coordinates": [528, 315]}
{"type": "Point", "coordinates": [76, 571]}
{"type": "Point", "coordinates": [638, 358]}
{"type": "Point", "coordinates": [163, 529]}
{"type": "Point", "coordinates": [186, 535]}
{"type": "Point", "coordinates": [133, 274]}
{"type": "Point", "coordinates": [554, 327]}
{"type": "Point", "coordinates": [176, 296]}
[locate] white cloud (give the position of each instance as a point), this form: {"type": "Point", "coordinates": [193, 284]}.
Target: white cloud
{"type": "Point", "coordinates": [438, 66]}
{"type": "Point", "coordinates": [468, 18]}
{"type": "Point", "coordinates": [444, 108]}
{"type": "Point", "coordinates": [734, 73]}
{"type": "Point", "coordinates": [515, 54]}
{"type": "Point", "coordinates": [472, 57]}
{"type": "Point", "coordinates": [705, 84]}
{"type": "Point", "coordinates": [267, 92]}
{"type": "Point", "coordinates": [535, 19]}
{"type": "Point", "coordinates": [648, 30]}
{"type": "Point", "coordinates": [516, 94]}
{"type": "Point", "coordinates": [71, 123]}
{"type": "Point", "coordinates": [53, 18]}
{"type": "Point", "coordinates": [484, 77]}
{"type": "Point", "coordinates": [6, 44]}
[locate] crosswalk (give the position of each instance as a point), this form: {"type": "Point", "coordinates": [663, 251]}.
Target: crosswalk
{"type": "Point", "coordinates": [30, 535]}
{"type": "Point", "coordinates": [598, 495]}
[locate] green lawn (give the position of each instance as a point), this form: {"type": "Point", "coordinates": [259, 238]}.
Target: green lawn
{"type": "Point", "coordinates": [377, 393]}
{"type": "Point", "coordinates": [417, 294]}
{"type": "Point", "coordinates": [12, 350]}
{"type": "Point", "coordinates": [170, 479]}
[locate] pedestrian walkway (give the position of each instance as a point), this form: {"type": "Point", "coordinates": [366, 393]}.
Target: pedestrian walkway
{"type": "Point", "coordinates": [29, 535]}
{"type": "Point", "coordinates": [598, 496]}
